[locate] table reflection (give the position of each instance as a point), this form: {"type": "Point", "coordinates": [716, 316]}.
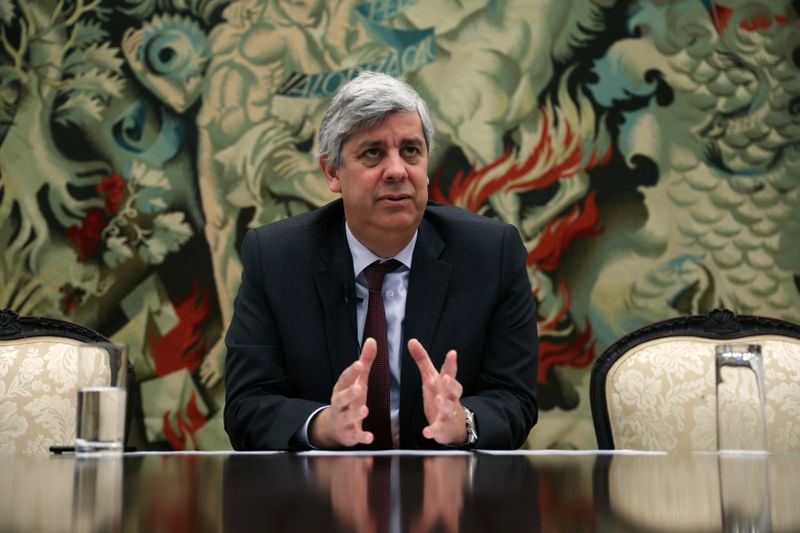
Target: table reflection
{"type": "Point", "coordinates": [444, 493]}
{"type": "Point", "coordinates": [367, 494]}
{"type": "Point", "coordinates": [97, 494]}
{"type": "Point", "coordinates": [381, 493]}
{"type": "Point", "coordinates": [703, 491]}
{"type": "Point", "coordinates": [61, 494]}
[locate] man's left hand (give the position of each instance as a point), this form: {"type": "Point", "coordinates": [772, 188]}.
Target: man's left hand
{"type": "Point", "coordinates": [441, 397]}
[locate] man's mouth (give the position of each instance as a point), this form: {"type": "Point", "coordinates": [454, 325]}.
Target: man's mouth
{"type": "Point", "coordinates": [394, 197]}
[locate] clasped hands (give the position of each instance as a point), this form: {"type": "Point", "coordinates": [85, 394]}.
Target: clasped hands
{"type": "Point", "coordinates": [340, 425]}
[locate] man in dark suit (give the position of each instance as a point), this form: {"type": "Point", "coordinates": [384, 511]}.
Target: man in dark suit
{"type": "Point", "coordinates": [455, 298]}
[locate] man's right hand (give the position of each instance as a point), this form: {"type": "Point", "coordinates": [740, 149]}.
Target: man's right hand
{"type": "Point", "coordinates": [340, 425]}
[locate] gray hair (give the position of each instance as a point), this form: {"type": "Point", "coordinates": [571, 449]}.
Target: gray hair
{"type": "Point", "coordinates": [363, 102]}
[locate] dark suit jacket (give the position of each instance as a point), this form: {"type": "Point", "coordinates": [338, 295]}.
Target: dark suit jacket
{"type": "Point", "coordinates": [294, 326]}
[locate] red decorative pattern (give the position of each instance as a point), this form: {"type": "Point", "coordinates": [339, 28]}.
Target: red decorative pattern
{"type": "Point", "coordinates": [720, 16]}
{"type": "Point", "coordinates": [471, 190]}
{"type": "Point", "coordinates": [187, 425]}
{"type": "Point", "coordinates": [71, 298]}
{"type": "Point", "coordinates": [112, 189]}
{"type": "Point", "coordinates": [577, 354]}
{"type": "Point", "coordinates": [86, 238]}
{"type": "Point", "coordinates": [557, 155]}
{"type": "Point", "coordinates": [183, 345]}
{"type": "Point", "coordinates": [562, 231]}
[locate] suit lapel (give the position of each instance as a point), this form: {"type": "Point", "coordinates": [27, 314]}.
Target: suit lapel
{"type": "Point", "coordinates": [428, 284]}
{"type": "Point", "coordinates": [335, 282]}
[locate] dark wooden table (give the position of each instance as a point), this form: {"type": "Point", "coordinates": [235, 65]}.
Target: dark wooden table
{"type": "Point", "coordinates": [384, 493]}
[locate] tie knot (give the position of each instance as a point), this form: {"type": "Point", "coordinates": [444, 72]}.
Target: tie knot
{"type": "Point", "coordinates": [377, 270]}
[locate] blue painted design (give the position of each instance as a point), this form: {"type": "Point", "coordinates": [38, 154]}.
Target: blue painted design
{"type": "Point", "coordinates": [381, 10]}
{"type": "Point", "coordinates": [676, 263]}
{"type": "Point", "coordinates": [409, 51]}
{"type": "Point", "coordinates": [128, 128]}
{"type": "Point", "coordinates": [150, 200]}
{"type": "Point", "coordinates": [173, 47]}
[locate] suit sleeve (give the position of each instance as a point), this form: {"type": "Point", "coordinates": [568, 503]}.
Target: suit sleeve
{"type": "Point", "coordinates": [260, 411]}
{"type": "Point", "coordinates": [504, 401]}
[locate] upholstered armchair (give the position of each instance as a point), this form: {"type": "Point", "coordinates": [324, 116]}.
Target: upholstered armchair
{"type": "Point", "coordinates": [38, 374]}
{"type": "Point", "coordinates": [655, 388]}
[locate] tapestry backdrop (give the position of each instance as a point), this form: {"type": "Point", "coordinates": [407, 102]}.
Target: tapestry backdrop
{"type": "Point", "coordinates": [648, 151]}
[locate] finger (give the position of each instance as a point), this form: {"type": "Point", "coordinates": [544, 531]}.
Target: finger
{"type": "Point", "coordinates": [447, 408]}
{"type": "Point", "coordinates": [448, 414]}
{"type": "Point", "coordinates": [353, 417]}
{"type": "Point", "coordinates": [359, 369]}
{"type": "Point", "coordinates": [435, 429]}
{"type": "Point", "coordinates": [368, 353]}
{"type": "Point", "coordinates": [452, 388]}
{"type": "Point", "coordinates": [349, 397]}
{"type": "Point", "coordinates": [450, 366]}
{"type": "Point", "coordinates": [420, 356]}
{"type": "Point", "coordinates": [364, 437]}
{"type": "Point", "coordinates": [349, 376]}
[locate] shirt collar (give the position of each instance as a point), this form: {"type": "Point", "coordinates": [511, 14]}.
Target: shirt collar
{"type": "Point", "coordinates": [363, 257]}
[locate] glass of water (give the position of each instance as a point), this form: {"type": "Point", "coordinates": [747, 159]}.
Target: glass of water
{"type": "Point", "coordinates": [102, 373]}
{"type": "Point", "coordinates": [741, 399]}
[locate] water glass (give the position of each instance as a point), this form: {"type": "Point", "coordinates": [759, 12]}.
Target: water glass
{"type": "Point", "coordinates": [102, 372]}
{"type": "Point", "coordinates": [740, 398]}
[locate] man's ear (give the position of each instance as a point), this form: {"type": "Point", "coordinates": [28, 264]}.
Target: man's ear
{"type": "Point", "coordinates": [331, 174]}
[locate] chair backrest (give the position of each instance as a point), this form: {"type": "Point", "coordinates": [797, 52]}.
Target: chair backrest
{"type": "Point", "coordinates": [655, 388]}
{"type": "Point", "coordinates": [38, 376]}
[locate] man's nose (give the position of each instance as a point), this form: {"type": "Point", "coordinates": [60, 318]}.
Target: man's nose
{"type": "Point", "coordinates": [395, 167]}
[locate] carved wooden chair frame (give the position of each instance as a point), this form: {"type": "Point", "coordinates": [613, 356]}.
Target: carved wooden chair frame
{"type": "Point", "coordinates": [14, 326]}
{"type": "Point", "coordinates": [719, 324]}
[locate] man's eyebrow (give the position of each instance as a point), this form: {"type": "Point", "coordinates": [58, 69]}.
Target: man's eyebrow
{"type": "Point", "coordinates": [368, 143]}
{"type": "Point", "coordinates": [376, 143]}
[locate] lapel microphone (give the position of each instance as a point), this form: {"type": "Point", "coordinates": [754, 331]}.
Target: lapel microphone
{"type": "Point", "coordinates": [348, 295]}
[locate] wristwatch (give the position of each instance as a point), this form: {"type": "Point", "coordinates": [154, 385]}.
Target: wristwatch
{"type": "Point", "coordinates": [472, 427]}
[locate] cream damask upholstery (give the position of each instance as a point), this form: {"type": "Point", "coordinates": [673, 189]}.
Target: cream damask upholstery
{"type": "Point", "coordinates": [655, 389]}
{"type": "Point", "coordinates": [38, 376]}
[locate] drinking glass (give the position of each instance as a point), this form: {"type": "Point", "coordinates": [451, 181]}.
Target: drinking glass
{"type": "Point", "coordinates": [102, 372]}
{"type": "Point", "coordinates": [741, 399]}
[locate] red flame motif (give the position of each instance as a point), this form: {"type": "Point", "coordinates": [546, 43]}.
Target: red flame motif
{"type": "Point", "coordinates": [471, 190]}
{"type": "Point", "coordinates": [545, 164]}
{"type": "Point", "coordinates": [188, 425]}
{"type": "Point", "coordinates": [721, 15]}
{"type": "Point", "coordinates": [559, 233]}
{"type": "Point", "coordinates": [182, 346]}
{"type": "Point", "coordinates": [577, 354]}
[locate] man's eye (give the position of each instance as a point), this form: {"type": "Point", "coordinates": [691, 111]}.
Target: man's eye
{"type": "Point", "coordinates": [372, 153]}
{"type": "Point", "coordinates": [412, 150]}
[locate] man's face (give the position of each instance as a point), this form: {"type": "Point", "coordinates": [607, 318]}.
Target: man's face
{"type": "Point", "coordinates": [383, 180]}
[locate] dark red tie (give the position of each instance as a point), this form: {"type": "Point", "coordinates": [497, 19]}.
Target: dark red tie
{"type": "Point", "coordinates": [378, 421]}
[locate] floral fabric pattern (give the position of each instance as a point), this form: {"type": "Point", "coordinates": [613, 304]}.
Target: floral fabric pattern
{"type": "Point", "coordinates": [38, 396]}
{"type": "Point", "coordinates": [662, 396]}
